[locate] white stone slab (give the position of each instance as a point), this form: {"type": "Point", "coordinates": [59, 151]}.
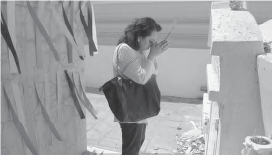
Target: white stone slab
{"type": "Point", "coordinates": [212, 82]}
{"type": "Point", "coordinates": [265, 78]}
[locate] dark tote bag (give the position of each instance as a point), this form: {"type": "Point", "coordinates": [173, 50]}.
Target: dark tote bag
{"type": "Point", "coordinates": [130, 101]}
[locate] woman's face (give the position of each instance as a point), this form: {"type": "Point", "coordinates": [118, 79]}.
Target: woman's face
{"type": "Point", "coordinates": [145, 42]}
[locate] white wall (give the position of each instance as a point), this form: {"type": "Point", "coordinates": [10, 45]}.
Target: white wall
{"type": "Point", "coordinates": [181, 71]}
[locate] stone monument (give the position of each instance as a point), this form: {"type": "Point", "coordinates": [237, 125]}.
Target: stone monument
{"type": "Point", "coordinates": [42, 66]}
{"type": "Point", "coordinates": [233, 83]}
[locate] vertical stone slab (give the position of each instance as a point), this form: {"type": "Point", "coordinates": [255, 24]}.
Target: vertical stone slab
{"type": "Point", "coordinates": [51, 84]}
{"type": "Point", "coordinates": [218, 5]}
{"type": "Point", "coordinates": [265, 77]}
{"type": "Point", "coordinates": [264, 64]}
{"type": "Point", "coordinates": [237, 40]}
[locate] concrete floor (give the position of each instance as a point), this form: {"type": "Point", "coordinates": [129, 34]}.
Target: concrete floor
{"type": "Point", "coordinates": [174, 119]}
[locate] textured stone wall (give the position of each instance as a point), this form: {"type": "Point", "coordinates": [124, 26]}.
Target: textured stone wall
{"type": "Point", "coordinates": [38, 64]}
{"type": "Point", "coordinates": [264, 63]}
{"type": "Point", "coordinates": [236, 41]}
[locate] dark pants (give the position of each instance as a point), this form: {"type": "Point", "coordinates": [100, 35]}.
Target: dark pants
{"type": "Point", "coordinates": [133, 136]}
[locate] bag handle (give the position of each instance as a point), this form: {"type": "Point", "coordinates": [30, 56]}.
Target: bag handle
{"type": "Point", "coordinates": [117, 64]}
{"type": "Point", "coordinates": [117, 56]}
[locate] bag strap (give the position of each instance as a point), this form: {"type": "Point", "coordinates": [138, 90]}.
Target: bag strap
{"type": "Point", "coordinates": [117, 56]}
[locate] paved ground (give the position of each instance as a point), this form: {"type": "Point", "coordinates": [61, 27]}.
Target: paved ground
{"type": "Point", "coordinates": [174, 119]}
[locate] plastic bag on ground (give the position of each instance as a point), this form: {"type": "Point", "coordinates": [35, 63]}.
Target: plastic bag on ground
{"type": "Point", "coordinates": [257, 145]}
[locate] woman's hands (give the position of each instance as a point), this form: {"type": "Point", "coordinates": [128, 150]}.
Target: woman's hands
{"type": "Point", "coordinates": [157, 48]}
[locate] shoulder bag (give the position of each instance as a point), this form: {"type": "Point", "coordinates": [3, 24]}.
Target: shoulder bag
{"type": "Point", "coordinates": [130, 101]}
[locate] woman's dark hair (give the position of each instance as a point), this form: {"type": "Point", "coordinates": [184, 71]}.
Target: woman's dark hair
{"type": "Point", "coordinates": [141, 27]}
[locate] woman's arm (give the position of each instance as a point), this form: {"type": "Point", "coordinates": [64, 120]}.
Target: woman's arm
{"type": "Point", "coordinates": [156, 67]}
{"type": "Point", "coordinates": [140, 70]}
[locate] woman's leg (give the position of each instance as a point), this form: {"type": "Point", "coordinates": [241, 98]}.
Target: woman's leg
{"type": "Point", "coordinates": [133, 136]}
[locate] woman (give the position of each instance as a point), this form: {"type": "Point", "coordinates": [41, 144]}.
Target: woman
{"type": "Point", "coordinates": [137, 52]}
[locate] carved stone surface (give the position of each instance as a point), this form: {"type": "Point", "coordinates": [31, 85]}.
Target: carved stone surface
{"type": "Point", "coordinates": [51, 84]}
{"type": "Point", "coordinates": [237, 40]}
{"type": "Point", "coordinates": [264, 63]}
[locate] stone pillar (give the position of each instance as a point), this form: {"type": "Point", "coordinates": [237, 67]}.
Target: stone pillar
{"type": "Point", "coordinates": [264, 63]}
{"type": "Point", "coordinates": [265, 76]}
{"type": "Point", "coordinates": [233, 82]}
{"type": "Point", "coordinates": [38, 64]}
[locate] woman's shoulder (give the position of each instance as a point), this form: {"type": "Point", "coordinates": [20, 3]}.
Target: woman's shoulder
{"type": "Point", "coordinates": [125, 46]}
{"type": "Point", "coordinates": [125, 49]}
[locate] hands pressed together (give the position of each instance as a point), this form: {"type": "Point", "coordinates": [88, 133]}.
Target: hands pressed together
{"type": "Point", "coordinates": [157, 48]}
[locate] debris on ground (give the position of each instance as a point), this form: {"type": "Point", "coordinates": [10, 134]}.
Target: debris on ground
{"type": "Point", "coordinates": [87, 152]}
{"type": "Point", "coordinates": [191, 142]}
{"type": "Point", "coordinates": [97, 151]}
{"type": "Point", "coordinates": [257, 145]}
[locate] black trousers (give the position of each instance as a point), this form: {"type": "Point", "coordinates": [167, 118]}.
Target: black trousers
{"type": "Point", "coordinates": [133, 136]}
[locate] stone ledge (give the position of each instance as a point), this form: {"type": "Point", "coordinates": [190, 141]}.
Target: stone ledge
{"type": "Point", "coordinates": [206, 109]}
{"type": "Point", "coordinates": [213, 139]}
{"type": "Point", "coordinates": [234, 26]}
{"type": "Point", "coordinates": [265, 81]}
{"type": "Point", "coordinates": [265, 57]}
{"type": "Point", "coordinates": [213, 83]}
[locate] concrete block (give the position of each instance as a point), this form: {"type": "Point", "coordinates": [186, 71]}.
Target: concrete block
{"type": "Point", "coordinates": [213, 140]}
{"type": "Point", "coordinates": [266, 31]}
{"type": "Point", "coordinates": [206, 109]}
{"type": "Point", "coordinates": [230, 27]}
{"type": "Point", "coordinates": [265, 78]}
{"type": "Point", "coordinates": [215, 61]}
{"type": "Point", "coordinates": [237, 40]}
{"type": "Point", "coordinates": [213, 83]}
